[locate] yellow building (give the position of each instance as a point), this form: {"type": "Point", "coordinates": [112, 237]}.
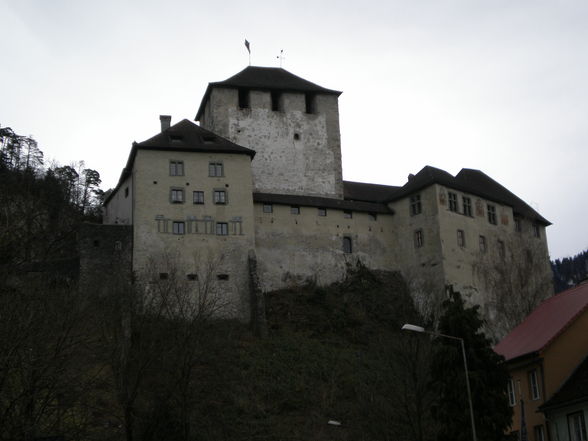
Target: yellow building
{"type": "Point", "coordinates": [541, 354]}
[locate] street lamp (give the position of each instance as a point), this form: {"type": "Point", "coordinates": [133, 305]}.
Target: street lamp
{"type": "Point", "coordinates": [415, 328]}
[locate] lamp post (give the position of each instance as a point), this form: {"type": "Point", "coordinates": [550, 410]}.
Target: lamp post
{"type": "Point", "coordinates": [415, 328]}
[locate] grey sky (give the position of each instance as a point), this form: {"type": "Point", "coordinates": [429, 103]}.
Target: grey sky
{"type": "Point", "coordinates": [494, 85]}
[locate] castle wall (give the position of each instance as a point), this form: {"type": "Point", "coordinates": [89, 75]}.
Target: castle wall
{"type": "Point", "coordinates": [218, 260]}
{"type": "Point", "coordinates": [296, 152]}
{"type": "Point", "coordinates": [296, 248]}
{"type": "Point", "coordinates": [119, 209]}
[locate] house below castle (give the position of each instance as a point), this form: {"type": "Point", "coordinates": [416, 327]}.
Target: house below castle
{"type": "Point", "coordinates": [261, 176]}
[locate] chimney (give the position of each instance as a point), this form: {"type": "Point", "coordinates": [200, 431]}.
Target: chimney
{"type": "Point", "coordinates": [165, 122]}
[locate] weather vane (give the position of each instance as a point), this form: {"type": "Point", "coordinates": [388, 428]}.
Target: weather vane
{"type": "Point", "coordinates": [282, 57]}
{"type": "Point", "coordinates": [248, 46]}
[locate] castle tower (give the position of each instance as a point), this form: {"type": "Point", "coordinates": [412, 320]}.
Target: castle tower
{"type": "Point", "coordinates": [291, 123]}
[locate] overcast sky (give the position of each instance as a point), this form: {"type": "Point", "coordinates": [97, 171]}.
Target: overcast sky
{"type": "Point", "coordinates": [499, 86]}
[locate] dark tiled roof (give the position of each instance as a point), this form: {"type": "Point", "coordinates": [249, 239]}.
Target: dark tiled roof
{"type": "Point", "coordinates": [468, 181]}
{"type": "Point", "coordinates": [545, 323]}
{"type": "Point", "coordinates": [266, 78]}
{"type": "Point", "coordinates": [574, 390]}
{"type": "Point", "coordinates": [314, 201]}
{"type": "Point", "coordinates": [184, 136]}
{"type": "Point", "coordinates": [361, 191]}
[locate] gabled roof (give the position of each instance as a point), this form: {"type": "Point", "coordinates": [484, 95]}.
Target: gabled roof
{"type": "Point", "coordinates": [315, 201]}
{"type": "Point", "coordinates": [184, 136]}
{"type": "Point", "coordinates": [468, 181]}
{"type": "Point", "coordinates": [573, 391]}
{"type": "Point", "coordinates": [550, 319]}
{"type": "Point", "coordinates": [266, 78]}
{"type": "Point", "coordinates": [361, 191]}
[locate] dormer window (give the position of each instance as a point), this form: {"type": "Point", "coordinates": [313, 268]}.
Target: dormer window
{"type": "Point", "coordinates": [275, 96]}
{"type": "Point", "coordinates": [243, 98]}
{"type": "Point", "coordinates": [208, 139]}
{"type": "Point", "coordinates": [176, 138]}
{"type": "Point", "coordinates": [310, 102]}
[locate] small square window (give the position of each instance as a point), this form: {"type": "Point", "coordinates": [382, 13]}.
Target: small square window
{"type": "Point", "coordinates": [177, 195]}
{"type": "Point", "coordinates": [491, 214]}
{"type": "Point", "coordinates": [268, 208]}
{"type": "Point", "coordinates": [467, 206]}
{"type": "Point", "coordinates": [418, 239]}
{"type": "Point", "coordinates": [176, 168]}
{"type": "Point", "coordinates": [534, 385]}
{"type": "Point", "coordinates": [415, 204]}
{"type": "Point", "coordinates": [512, 399]}
{"type": "Point", "coordinates": [198, 197]}
{"type": "Point", "coordinates": [453, 202]}
{"type": "Point", "coordinates": [215, 169]}
{"type": "Point", "coordinates": [347, 245]}
{"type": "Point", "coordinates": [220, 197]}
{"type": "Point", "coordinates": [294, 209]}
{"type": "Point", "coordinates": [536, 230]}
{"type": "Point", "coordinates": [461, 242]}
{"type": "Point", "coordinates": [222, 229]}
{"type": "Point", "coordinates": [222, 277]}
{"type": "Point", "coordinates": [163, 276]}
{"type": "Point", "coordinates": [192, 277]}
{"type": "Point", "coordinates": [322, 211]}
{"type": "Point", "coordinates": [178, 227]}
{"type": "Point", "coordinates": [347, 214]}
{"type": "Point", "coordinates": [483, 246]}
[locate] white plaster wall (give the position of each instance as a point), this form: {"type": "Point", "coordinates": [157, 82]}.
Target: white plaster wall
{"type": "Point", "coordinates": [119, 209]}
{"type": "Point", "coordinates": [297, 153]}
{"type": "Point", "coordinates": [293, 249]}
{"type": "Point", "coordinates": [191, 252]}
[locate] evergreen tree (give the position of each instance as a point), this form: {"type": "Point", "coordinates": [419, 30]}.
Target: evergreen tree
{"type": "Point", "coordinates": [487, 373]}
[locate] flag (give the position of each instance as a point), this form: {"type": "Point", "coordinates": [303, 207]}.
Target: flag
{"type": "Point", "coordinates": [523, 432]}
{"type": "Point", "coordinates": [247, 46]}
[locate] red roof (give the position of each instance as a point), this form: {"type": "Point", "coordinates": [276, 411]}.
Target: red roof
{"type": "Point", "coordinates": [545, 323]}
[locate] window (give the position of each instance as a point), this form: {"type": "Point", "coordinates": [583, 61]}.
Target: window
{"type": "Point", "coordinates": [215, 169]}
{"type": "Point", "coordinates": [126, 192]}
{"type": "Point", "coordinates": [178, 227]}
{"type": "Point", "coordinates": [310, 102]}
{"type": "Point", "coordinates": [491, 214]}
{"type": "Point", "coordinates": [347, 245]}
{"type": "Point", "coordinates": [415, 204]}
{"type": "Point", "coordinates": [518, 226]}
{"type": "Point", "coordinates": [483, 246]}
{"type": "Point", "coordinates": [176, 196]}
{"type": "Point", "coordinates": [373, 216]}
{"type": "Point", "coordinates": [418, 239]}
{"type": "Point", "coordinates": [536, 230]}
{"type": "Point", "coordinates": [220, 197]}
{"type": "Point", "coordinates": [534, 385]}
{"type": "Point", "coordinates": [452, 202]}
{"type": "Point", "coordinates": [222, 229]}
{"type": "Point", "coordinates": [243, 98]}
{"type": "Point", "coordinates": [467, 206]}
{"type": "Point", "coordinates": [117, 245]}
{"type": "Point", "coordinates": [512, 398]}
{"type": "Point", "coordinates": [322, 211]}
{"type": "Point", "coordinates": [176, 168]}
{"type": "Point", "coordinates": [294, 209]}
{"type": "Point", "coordinates": [539, 433]}
{"type": "Point", "coordinates": [192, 277]}
{"type": "Point", "coordinates": [577, 426]}
{"type": "Point", "coordinates": [501, 249]}
{"type": "Point", "coordinates": [461, 239]}
{"type": "Point", "coordinates": [347, 214]}
{"type": "Point", "coordinates": [268, 208]}
{"type": "Point", "coordinates": [222, 277]}
{"type": "Point", "coordinates": [275, 97]}
{"type": "Point", "coordinates": [198, 197]}
{"type": "Point", "coordinates": [163, 276]}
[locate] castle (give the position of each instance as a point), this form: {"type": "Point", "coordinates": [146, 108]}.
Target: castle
{"type": "Point", "coordinates": [261, 176]}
